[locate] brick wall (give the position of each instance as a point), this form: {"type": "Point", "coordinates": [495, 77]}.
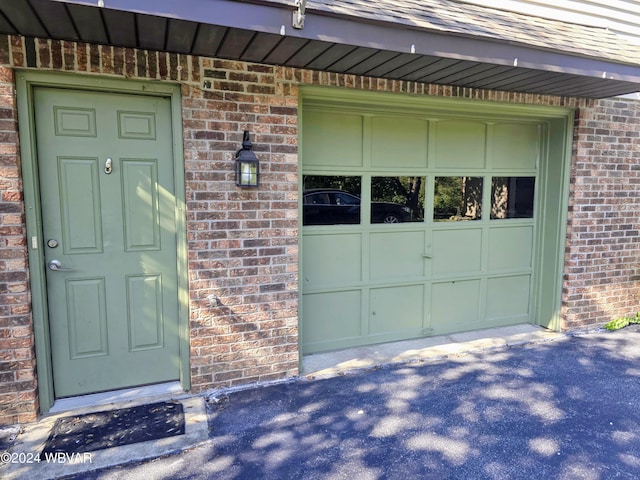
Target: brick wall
{"type": "Point", "coordinates": [18, 399]}
{"type": "Point", "coordinates": [243, 244]}
{"type": "Point", "coordinates": [602, 262]}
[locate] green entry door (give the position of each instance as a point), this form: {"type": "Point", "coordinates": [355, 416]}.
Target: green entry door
{"type": "Point", "coordinates": [105, 165]}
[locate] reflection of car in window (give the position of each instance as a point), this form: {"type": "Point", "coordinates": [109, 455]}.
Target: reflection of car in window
{"type": "Point", "coordinates": [337, 207]}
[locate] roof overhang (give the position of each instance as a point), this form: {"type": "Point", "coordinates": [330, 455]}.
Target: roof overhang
{"type": "Point", "coordinates": [262, 32]}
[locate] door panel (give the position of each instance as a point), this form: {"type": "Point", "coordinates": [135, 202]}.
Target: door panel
{"type": "Point", "coordinates": [144, 300]}
{"type": "Point", "coordinates": [333, 260]}
{"type": "Point", "coordinates": [396, 255]}
{"type": "Point", "coordinates": [397, 310]}
{"type": "Point", "coordinates": [457, 251]}
{"type": "Point", "coordinates": [332, 320]}
{"type": "Point", "coordinates": [395, 138]}
{"type": "Point", "coordinates": [113, 306]}
{"type": "Point", "coordinates": [515, 146]}
{"type": "Point", "coordinates": [334, 139]}
{"type": "Point", "coordinates": [455, 304]}
{"type": "Point", "coordinates": [80, 205]}
{"type": "Point", "coordinates": [87, 317]}
{"type": "Point", "coordinates": [460, 144]}
{"type": "Point", "coordinates": [510, 248]}
{"type": "Point", "coordinates": [508, 297]}
{"type": "Point", "coordinates": [140, 204]}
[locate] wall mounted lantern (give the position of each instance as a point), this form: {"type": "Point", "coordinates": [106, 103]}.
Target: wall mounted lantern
{"type": "Point", "coordinates": [247, 165]}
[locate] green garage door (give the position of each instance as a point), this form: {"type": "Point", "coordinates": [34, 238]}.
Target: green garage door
{"type": "Point", "coordinates": [416, 224]}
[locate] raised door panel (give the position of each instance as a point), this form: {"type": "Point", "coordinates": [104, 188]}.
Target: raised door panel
{"type": "Point", "coordinates": [332, 261]}
{"type": "Point", "coordinates": [510, 248]}
{"type": "Point", "coordinates": [80, 205]}
{"type": "Point", "coordinates": [516, 146]}
{"type": "Point", "coordinates": [87, 317]}
{"type": "Point", "coordinates": [331, 320]}
{"type": "Point", "coordinates": [508, 297]}
{"type": "Point", "coordinates": [332, 139]}
{"type": "Point", "coordinates": [457, 251]}
{"type": "Point", "coordinates": [399, 142]}
{"type": "Point", "coordinates": [396, 256]}
{"type": "Point", "coordinates": [396, 310]}
{"type": "Point", "coordinates": [75, 122]}
{"type": "Point", "coordinates": [140, 204]}
{"type": "Point", "coordinates": [455, 305]}
{"type": "Point", "coordinates": [460, 144]}
{"type": "Point", "coordinates": [137, 125]}
{"type": "Point", "coordinates": [145, 312]}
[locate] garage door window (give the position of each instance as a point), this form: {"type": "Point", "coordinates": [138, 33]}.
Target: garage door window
{"type": "Point", "coordinates": [457, 199]}
{"type": "Point", "coordinates": [331, 200]}
{"type": "Point", "coordinates": [512, 197]}
{"type": "Point", "coordinates": [397, 199]}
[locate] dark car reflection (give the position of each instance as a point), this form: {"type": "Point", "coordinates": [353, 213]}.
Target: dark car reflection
{"type": "Point", "coordinates": [337, 207]}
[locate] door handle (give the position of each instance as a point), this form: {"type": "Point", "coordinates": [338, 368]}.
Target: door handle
{"type": "Point", "coordinates": [427, 255]}
{"type": "Point", "coordinates": [108, 166]}
{"type": "Point", "coordinates": [56, 266]}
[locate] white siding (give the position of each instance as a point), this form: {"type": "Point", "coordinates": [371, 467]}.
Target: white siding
{"type": "Point", "coordinates": [620, 16]}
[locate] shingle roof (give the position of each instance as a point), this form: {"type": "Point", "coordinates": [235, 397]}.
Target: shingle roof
{"type": "Point", "coordinates": [470, 20]}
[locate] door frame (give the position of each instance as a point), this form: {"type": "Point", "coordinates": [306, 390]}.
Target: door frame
{"type": "Point", "coordinates": [26, 81]}
{"type": "Point", "coordinates": [554, 173]}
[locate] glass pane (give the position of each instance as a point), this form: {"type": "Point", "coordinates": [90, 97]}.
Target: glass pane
{"type": "Point", "coordinates": [331, 200]}
{"type": "Point", "coordinates": [512, 197]}
{"type": "Point", "coordinates": [457, 198]}
{"type": "Point", "coordinates": [397, 199]}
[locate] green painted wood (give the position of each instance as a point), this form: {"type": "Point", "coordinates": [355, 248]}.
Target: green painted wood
{"type": "Point", "coordinates": [452, 152]}
{"type": "Point", "coordinates": [399, 142]}
{"type": "Point", "coordinates": [455, 305]}
{"type": "Point", "coordinates": [509, 297]}
{"type": "Point", "coordinates": [333, 139]}
{"type": "Point", "coordinates": [113, 315]}
{"type": "Point", "coordinates": [140, 204]}
{"type": "Point", "coordinates": [511, 248]}
{"type": "Point", "coordinates": [397, 310]}
{"type": "Point", "coordinates": [515, 146]}
{"type": "Point", "coordinates": [551, 235]}
{"type": "Point", "coordinates": [332, 320]}
{"type": "Point", "coordinates": [457, 251]}
{"type": "Point", "coordinates": [396, 256]}
{"type": "Point", "coordinates": [80, 204]}
{"type": "Point", "coordinates": [345, 266]}
{"type": "Point", "coordinates": [145, 312]}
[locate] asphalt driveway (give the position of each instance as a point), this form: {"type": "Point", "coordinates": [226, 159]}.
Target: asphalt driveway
{"type": "Point", "coordinates": [567, 409]}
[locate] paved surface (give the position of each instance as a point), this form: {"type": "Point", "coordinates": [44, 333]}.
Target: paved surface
{"type": "Point", "coordinates": [562, 409]}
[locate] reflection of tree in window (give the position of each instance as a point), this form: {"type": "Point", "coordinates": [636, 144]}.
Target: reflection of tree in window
{"type": "Point", "coordinates": [512, 197]}
{"type": "Point", "coordinates": [457, 198]}
{"type": "Point", "coordinates": [350, 184]}
{"type": "Point", "coordinates": [405, 191]}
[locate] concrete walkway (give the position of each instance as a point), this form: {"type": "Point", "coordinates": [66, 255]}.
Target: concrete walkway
{"type": "Point", "coordinates": [198, 435]}
{"type": "Point", "coordinates": [429, 348]}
